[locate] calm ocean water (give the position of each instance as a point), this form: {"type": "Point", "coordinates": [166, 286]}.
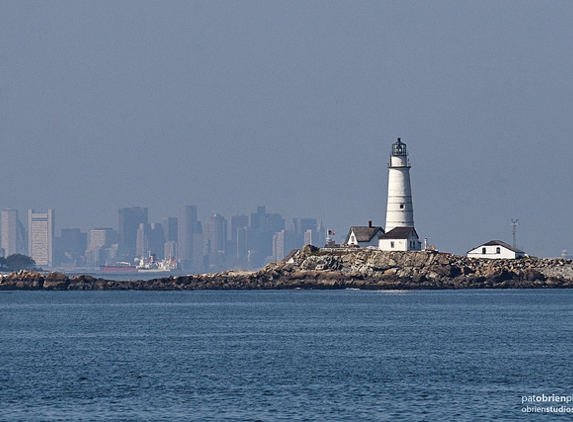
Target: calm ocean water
{"type": "Point", "coordinates": [283, 355]}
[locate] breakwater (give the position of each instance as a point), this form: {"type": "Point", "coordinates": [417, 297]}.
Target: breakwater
{"type": "Point", "coordinates": [316, 268]}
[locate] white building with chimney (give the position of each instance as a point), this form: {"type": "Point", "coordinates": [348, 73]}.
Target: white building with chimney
{"type": "Point", "coordinates": [364, 236]}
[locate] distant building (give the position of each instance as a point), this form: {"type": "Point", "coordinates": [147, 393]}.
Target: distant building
{"type": "Point", "coordinates": [41, 237]}
{"type": "Point", "coordinates": [9, 231]}
{"type": "Point", "coordinates": [248, 251]}
{"type": "Point", "coordinates": [150, 239]}
{"type": "Point", "coordinates": [187, 228]}
{"type": "Point", "coordinates": [496, 249]}
{"type": "Point", "coordinates": [197, 261]}
{"type": "Point", "coordinates": [283, 242]}
{"type": "Point", "coordinates": [400, 239]}
{"type": "Point", "coordinates": [215, 238]}
{"type": "Point", "coordinates": [129, 220]}
{"type": "Point", "coordinates": [307, 232]}
{"type": "Point", "coordinates": [170, 228]}
{"type": "Point", "coordinates": [322, 234]}
{"type": "Point", "coordinates": [102, 247]}
{"type": "Point", "coordinates": [170, 237]}
{"type": "Point", "coordinates": [238, 222]}
{"type": "Point", "coordinates": [100, 238]}
{"type": "Point", "coordinates": [13, 234]}
{"type": "Point", "coordinates": [170, 250]}
{"type": "Point", "coordinates": [263, 226]}
{"type": "Point", "coordinates": [364, 236]}
{"type": "Point", "coordinates": [215, 234]}
{"type": "Point", "coordinates": [70, 247]}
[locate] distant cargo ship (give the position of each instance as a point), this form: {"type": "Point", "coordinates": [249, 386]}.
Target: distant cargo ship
{"type": "Point", "coordinates": [150, 263]}
{"type": "Point", "coordinates": [120, 267]}
{"type": "Point", "coordinates": [146, 264]}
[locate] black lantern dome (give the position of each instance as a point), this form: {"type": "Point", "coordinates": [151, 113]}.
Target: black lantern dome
{"type": "Point", "coordinates": [399, 148]}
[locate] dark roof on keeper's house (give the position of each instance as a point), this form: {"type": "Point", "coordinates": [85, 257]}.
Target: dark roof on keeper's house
{"type": "Point", "coordinates": [291, 255]}
{"type": "Point", "coordinates": [363, 233]}
{"type": "Point", "coordinates": [399, 233]}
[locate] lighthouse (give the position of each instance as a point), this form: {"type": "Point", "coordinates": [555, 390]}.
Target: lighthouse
{"type": "Point", "coordinates": [399, 209]}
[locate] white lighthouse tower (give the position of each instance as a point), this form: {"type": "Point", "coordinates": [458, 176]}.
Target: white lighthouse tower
{"type": "Point", "coordinates": [399, 209]}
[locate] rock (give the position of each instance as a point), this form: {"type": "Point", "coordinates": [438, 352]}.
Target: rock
{"type": "Point", "coordinates": [336, 269]}
{"type": "Point", "coordinates": [22, 280]}
{"type": "Point", "coordinates": [309, 249]}
{"type": "Point", "coordinates": [56, 281]}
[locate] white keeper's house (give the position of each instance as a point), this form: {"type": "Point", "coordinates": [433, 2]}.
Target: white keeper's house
{"type": "Point", "coordinates": [496, 249]}
{"type": "Point", "coordinates": [364, 236]}
{"type": "Point", "coordinates": [400, 239]}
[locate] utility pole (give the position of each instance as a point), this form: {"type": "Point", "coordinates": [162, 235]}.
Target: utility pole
{"type": "Point", "coordinates": [514, 223]}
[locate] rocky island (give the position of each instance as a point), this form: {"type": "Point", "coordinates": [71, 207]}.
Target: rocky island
{"type": "Point", "coordinates": [314, 268]}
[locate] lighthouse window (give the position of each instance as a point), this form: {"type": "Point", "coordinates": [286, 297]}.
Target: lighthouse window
{"type": "Point", "coordinates": [498, 250]}
{"type": "Point", "coordinates": [392, 244]}
{"type": "Point", "coordinates": [401, 206]}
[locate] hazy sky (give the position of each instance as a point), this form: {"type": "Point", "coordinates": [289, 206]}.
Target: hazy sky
{"type": "Point", "coordinates": [294, 105]}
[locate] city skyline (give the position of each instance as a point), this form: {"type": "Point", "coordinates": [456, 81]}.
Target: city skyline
{"type": "Point", "coordinates": [60, 226]}
{"type": "Point", "coordinates": [229, 105]}
{"type": "Point", "coordinates": [212, 245]}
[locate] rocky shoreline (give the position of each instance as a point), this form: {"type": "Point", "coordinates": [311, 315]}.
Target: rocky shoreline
{"type": "Point", "coordinates": [315, 268]}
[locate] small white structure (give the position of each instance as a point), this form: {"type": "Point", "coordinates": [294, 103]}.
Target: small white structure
{"type": "Point", "coordinates": [400, 239]}
{"type": "Point", "coordinates": [364, 236]}
{"type": "Point", "coordinates": [496, 249]}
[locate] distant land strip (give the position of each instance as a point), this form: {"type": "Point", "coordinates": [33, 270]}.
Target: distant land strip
{"type": "Point", "coordinates": [314, 268]}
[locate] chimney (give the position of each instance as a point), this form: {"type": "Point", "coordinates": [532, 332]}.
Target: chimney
{"type": "Point", "coordinates": [370, 224]}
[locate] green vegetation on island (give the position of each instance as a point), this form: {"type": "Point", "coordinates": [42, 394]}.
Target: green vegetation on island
{"type": "Point", "coordinates": [16, 262]}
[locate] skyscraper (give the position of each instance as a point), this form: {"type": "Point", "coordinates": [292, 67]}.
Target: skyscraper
{"type": "Point", "coordinates": [306, 231]}
{"type": "Point", "coordinates": [41, 237]}
{"type": "Point", "coordinates": [187, 226]}
{"type": "Point", "coordinates": [215, 241]}
{"type": "Point", "coordinates": [170, 235]}
{"type": "Point", "coordinates": [170, 250]}
{"type": "Point", "coordinates": [13, 234]}
{"type": "Point", "coordinates": [100, 250]}
{"type": "Point", "coordinates": [266, 225]}
{"type": "Point", "coordinates": [129, 221]}
{"type": "Point", "coordinates": [216, 234]}
{"type": "Point", "coordinates": [283, 243]}
{"type": "Point", "coordinates": [170, 227]}
{"type": "Point", "coordinates": [248, 248]}
{"type": "Point", "coordinates": [238, 222]}
{"type": "Point", "coordinates": [150, 239]}
{"type": "Point", "coordinates": [70, 247]}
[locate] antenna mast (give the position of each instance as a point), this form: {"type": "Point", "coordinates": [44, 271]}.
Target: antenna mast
{"type": "Point", "coordinates": [514, 223]}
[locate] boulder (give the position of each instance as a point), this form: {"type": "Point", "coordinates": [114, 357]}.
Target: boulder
{"type": "Point", "coordinates": [56, 281]}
